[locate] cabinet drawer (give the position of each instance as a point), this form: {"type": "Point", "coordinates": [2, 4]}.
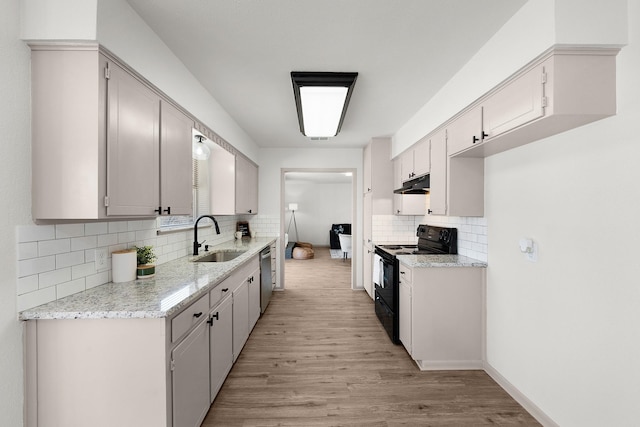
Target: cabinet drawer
{"type": "Point", "coordinates": [219, 292]}
{"type": "Point", "coordinates": [405, 274]}
{"type": "Point", "coordinates": [188, 318]}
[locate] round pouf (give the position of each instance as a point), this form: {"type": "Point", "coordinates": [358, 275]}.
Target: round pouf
{"type": "Point", "coordinates": [300, 252]}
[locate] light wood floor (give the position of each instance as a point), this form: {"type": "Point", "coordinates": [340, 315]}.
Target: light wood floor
{"type": "Point", "coordinates": [319, 357]}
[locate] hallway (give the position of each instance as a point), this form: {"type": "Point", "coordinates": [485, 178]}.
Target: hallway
{"type": "Point", "coordinates": [319, 358]}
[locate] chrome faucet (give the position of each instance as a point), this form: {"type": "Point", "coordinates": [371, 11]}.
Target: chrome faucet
{"type": "Point", "coordinates": [196, 245]}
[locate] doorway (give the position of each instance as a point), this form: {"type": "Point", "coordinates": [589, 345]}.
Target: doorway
{"type": "Point", "coordinates": [320, 198]}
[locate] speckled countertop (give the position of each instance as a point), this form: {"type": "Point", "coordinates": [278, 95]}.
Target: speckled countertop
{"type": "Point", "coordinates": [431, 261]}
{"type": "Point", "coordinates": [176, 284]}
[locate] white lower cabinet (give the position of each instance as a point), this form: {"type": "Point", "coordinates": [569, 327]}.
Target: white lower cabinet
{"type": "Point", "coordinates": [190, 377]}
{"type": "Point", "coordinates": [442, 316]}
{"type": "Point", "coordinates": [240, 318]}
{"type": "Point", "coordinates": [254, 298]}
{"type": "Point", "coordinates": [220, 344]}
{"type": "Point", "coordinates": [139, 372]}
{"type": "Point", "coordinates": [405, 315]}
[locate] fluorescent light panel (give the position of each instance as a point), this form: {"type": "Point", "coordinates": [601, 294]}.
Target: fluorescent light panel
{"type": "Point", "coordinates": [321, 101]}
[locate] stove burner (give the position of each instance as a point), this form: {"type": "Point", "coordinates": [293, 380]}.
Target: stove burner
{"type": "Point", "coordinates": [391, 247]}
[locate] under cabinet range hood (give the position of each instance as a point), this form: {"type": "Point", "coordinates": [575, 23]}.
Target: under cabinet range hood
{"type": "Point", "coordinates": [418, 185]}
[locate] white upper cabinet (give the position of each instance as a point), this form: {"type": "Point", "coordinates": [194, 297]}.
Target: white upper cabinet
{"type": "Point", "coordinates": [233, 183]}
{"type": "Point", "coordinates": [415, 161]}
{"type": "Point", "coordinates": [99, 135]}
{"type": "Point", "coordinates": [378, 175]}
{"type": "Point", "coordinates": [133, 146]}
{"type": "Point", "coordinates": [176, 163]}
{"type": "Point", "coordinates": [246, 186]}
{"type": "Point", "coordinates": [517, 103]}
{"type": "Point", "coordinates": [561, 90]}
{"type": "Point", "coordinates": [465, 131]}
{"type": "Point", "coordinates": [438, 175]}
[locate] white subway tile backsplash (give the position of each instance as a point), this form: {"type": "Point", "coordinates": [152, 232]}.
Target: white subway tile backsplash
{"type": "Point", "coordinates": [69, 288]}
{"type": "Point", "coordinates": [95, 228]}
{"type": "Point", "coordinates": [57, 260]}
{"type": "Point", "coordinates": [69, 230]}
{"type": "Point", "coordinates": [126, 237]}
{"type": "Point", "coordinates": [33, 233]}
{"type": "Point", "coordinates": [27, 250]}
{"type": "Point", "coordinates": [117, 227]}
{"type": "Point", "coordinates": [33, 299]}
{"type": "Point", "coordinates": [82, 243]}
{"type": "Point", "coordinates": [53, 247]}
{"type": "Point", "coordinates": [97, 279]}
{"type": "Point", "coordinates": [27, 284]}
{"type": "Point", "coordinates": [28, 267]}
{"type": "Point", "coordinates": [107, 240]}
{"type": "Point", "coordinates": [69, 259]}
{"type": "Point", "coordinates": [83, 270]}
{"type": "Point", "coordinates": [472, 231]}
{"type": "Point", "coordinates": [55, 277]}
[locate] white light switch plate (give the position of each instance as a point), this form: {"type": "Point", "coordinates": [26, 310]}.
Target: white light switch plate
{"type": "Point", "coordinates": [101, 259]}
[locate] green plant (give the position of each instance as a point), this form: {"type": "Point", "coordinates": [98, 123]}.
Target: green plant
{"type": "Point", "coordinates": [145, 254]}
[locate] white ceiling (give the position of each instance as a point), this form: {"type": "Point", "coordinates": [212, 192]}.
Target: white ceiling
{"type": "Point", "coordinates": [242, 51]}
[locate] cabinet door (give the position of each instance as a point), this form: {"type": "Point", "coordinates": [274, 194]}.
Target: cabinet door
{"type": "Point", "coordinates": [409, 204]}
{"type": "Point", "coordinates": [133, 146]}
{"type": "Point", "coordinates": [254, 298]}
{"type": "Point", "coordinates": [438, 192]}
{"type": "Point", "coordinates": [246, 186]}
{"type": "Point", "coordinates": [421, 156]}
{"type": "Point", "coordinates": [190, 378]}
{"type": "Point", "coordinates": [397, 173]}
{"type": "Point", "coordinates": [406, 160]}
{"type": "Point", "coordinates": [516, 104]}
{"type": "Point", "coordinates": [367, 209]}
{"type": "Point", "coordinates": [465, 131]}
{"type": "Point", "coordinates": [240, 318]}
{"type": "Point", "coordinates": [220, 344]}
{"type": "Point", "coordinates": [367, 168]}
{"type": "Point", "coordinates": [405, 315]}
{"type": "Point", "coordinates": [176, 180]}
{"type": "Point", "coordinates": [222, 181]}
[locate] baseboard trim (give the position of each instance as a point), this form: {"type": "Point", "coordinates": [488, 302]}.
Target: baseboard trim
{"type": "Point", "coordinates": [523, 400]}
{"type": "Point", "coordinates": [449, 365]}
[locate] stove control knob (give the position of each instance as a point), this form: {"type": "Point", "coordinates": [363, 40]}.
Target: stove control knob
{"type": "Point", "coordinates": [444, 235]}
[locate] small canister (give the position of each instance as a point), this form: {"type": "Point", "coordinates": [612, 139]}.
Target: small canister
{"type": "Point", "coordinates": [123, 265]}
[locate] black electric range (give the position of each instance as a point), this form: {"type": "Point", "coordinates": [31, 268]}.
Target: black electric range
{"type": "Point", "coordinates": [431, 240]}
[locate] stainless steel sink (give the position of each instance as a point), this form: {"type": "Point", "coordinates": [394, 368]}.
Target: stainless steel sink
{"type": "Point", "coordinates": [220, 256]}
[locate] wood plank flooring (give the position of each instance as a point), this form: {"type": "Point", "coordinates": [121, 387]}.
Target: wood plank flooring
{"type": "Point", "coordinates": [319, 357]}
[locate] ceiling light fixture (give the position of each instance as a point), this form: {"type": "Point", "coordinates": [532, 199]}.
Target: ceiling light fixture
{"type": "Point", "coordinates": [199, 149]}
{"type": "Point", "coordinates": [321, 101]}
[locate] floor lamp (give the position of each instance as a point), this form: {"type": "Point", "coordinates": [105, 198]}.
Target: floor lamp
{"type": "Point", "coordinates": [293, 207]}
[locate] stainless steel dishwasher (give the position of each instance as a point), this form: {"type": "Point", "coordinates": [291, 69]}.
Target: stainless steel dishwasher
{"type": "Point", "coordinates": [266, 286]}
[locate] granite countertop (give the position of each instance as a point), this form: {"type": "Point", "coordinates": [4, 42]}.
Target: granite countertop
{"type": "Point", "coordinates": [176, 284]}
{"type": "Point", "coordinates": [434, 261]}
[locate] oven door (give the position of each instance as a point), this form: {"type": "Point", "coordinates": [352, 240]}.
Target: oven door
{"type": "Point", "coordinates": [385, 287]}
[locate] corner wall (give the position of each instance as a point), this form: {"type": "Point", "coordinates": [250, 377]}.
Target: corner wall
{"type": "Point", "coordinates": [15, 193]}
{"type": "Point", "coordinates": [565, 330]}
{"type": "Point", "coordinates": [562, 331]}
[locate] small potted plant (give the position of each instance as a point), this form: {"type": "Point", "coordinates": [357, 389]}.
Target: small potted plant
{"type": "Point", "coordinates": [145, 257]}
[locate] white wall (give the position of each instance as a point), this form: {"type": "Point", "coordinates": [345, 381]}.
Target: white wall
{"type": "Point", "coordinates": [319, 206]}
{"type": "Point", "coordinates": [564, 331]}
{"type": "Point", "coordinates": [15, 196]}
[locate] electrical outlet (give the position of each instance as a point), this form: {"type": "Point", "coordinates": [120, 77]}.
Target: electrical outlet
{"type": "Point", "coordinates": [100, 259]}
